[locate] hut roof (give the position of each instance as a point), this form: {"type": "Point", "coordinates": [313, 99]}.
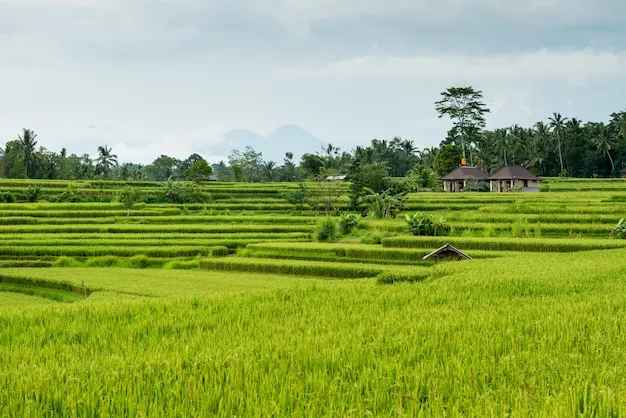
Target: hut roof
{"type": "Point", "coordinates": [446, 250]}
{"type": "Point", "coordinates": [513, 172]}
{"type": "Point", "coordinates": [464, 172]}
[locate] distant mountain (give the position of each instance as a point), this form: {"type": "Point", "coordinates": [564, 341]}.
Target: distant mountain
{"type": "Point", "coordinates": [286, 138]}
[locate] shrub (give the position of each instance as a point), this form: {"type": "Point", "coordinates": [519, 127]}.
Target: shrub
{"type": "Point", "coordinates": [421, 224]}
{"type": "Point", "coordinates": [7, 197]}
{"type": "Point", "coordinates": [326, 230]}
{"type": "Point", "coordinates": [128, 196]}
{"type": "Point", "coordinates": [298, 197]}
{"type": "Point", "coordinates": [33, 193]}
{"type": "Point", "coordinates": [348, 222]}
{"type": "Point", "coordinates": [138, 262]}
{"type": "Point", "coordinates": [71, 194]}
{"type": "Point", "coordinates": [619, 230]}
{"type": "Point", "coordinates": [66, 262]}
{"type": "Point", "coordinates": [179, 192]}
{"type": "Point", "coordinates": [182, 265]}
{"type": "Point", "coordinates": [106, 261]}
{"type": "Point", "coordinates": [375, 237]}
{"type": "Point", "coordinates": [384, 204]}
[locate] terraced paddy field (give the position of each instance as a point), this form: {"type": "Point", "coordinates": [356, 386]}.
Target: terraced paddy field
{"type": "Point", "coordinates": [201, 310]}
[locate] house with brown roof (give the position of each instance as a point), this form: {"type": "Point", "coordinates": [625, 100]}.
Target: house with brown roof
{"type": "Point", "coordinates": [459, 179]}
{"type": "Point", "coordinates": [513, 177]}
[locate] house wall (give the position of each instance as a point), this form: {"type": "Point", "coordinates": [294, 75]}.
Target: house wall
{"type": "Point", "coordinates": [458, 185]}
{"type": "Point", "coordinates": [452, 186]}
{"type": "Point", "coordinates": [500, 186]}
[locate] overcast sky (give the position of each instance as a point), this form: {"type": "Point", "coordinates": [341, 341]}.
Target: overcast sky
{"type": "Point", "coordinates": [171, 76]}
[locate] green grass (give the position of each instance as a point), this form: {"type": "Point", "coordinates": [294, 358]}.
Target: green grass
{"type": "Point", "coordinates": [506, 244]}
{"type": "Point", "coordinates": [531, 326]}
{"type": "Point", "coordinates": [41, 292]}
{"type": "Point", "coordinates": [540, 335]}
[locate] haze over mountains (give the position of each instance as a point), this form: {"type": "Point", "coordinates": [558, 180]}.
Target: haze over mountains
{"type": "Point", "coordinates": [286, 138]}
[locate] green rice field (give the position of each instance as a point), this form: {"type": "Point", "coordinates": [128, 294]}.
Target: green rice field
{"type": "Point", "coordinates": [232, 308]}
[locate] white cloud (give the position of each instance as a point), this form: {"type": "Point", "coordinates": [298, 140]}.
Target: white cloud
{"type": "Point", "coordinates": [573, 67]}
{"type": "Point", "coordinates": [171, 76]}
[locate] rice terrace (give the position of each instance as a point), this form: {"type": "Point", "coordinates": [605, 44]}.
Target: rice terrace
{"type": "Point", "coordinates": [235, 306]}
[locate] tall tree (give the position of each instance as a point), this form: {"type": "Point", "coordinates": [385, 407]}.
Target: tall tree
{"type": "Point", "coordinates": [268, 170]}
{"type": "Point", "coordinates": [28, 144]}
{"type": "Point", "coordinates": [505, 143]}
{"type": "Point", "coordinates": [106, 160]}
{"type": "Point", "coordinates": [603, 141]}
{"type": "Point", "coordinates": [163, 168]}
{"type": "Point", "coordinates": [465, 107]}
{"type": "Point", "coordinates": [537, 152]}
{"type": "Point", "coordinates": [557, 123]}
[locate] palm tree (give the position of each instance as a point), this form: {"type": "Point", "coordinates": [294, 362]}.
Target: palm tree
{"type": "Point", "coordinates": [384, 204]}
{"type": "Point", "coordinates": [106, 160]}
{"type": "Point", "coordinates": [537, 152]}
{"type": "Point", "coordinates": [28, 143]}
{"type": "Point", "coordinates": [472, 135]}
{"type": "Point", "coordinates": [557, 123]}
{"type": "Point", "coordinates": [268, 168]}
{"type": "Point", "coordinates": [603, 141]}
{"type": "Point", "coordinates": [427, 155]}
{"type": "Point", "coordinates": [619, 120]}
{"type": "Point", "coordinates": [504, 143]}
{"type": "Point", "coordinates": [408, 147]}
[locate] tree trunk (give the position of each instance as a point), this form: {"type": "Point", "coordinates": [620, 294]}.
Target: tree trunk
{"type": "Point", "coordinates": [560, 156]}
{"type": "Point", "coordinates": [611, 160]}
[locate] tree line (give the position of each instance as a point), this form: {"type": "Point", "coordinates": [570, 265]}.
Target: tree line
{"type": "Point", "coordinates": [557, 146]}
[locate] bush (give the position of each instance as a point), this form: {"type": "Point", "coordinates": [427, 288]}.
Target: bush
{"type": "Point", "coordinates": [326, 230]}
{"type": "Point", "coordinates": [66, 262]}
{"type": "Point", "coordinates": [106, 261]}
{"type": "Point", "coordinates": [298, 198]}
{"type": "Point", "coordinates": [138, 262]}
{"type": "Point", "coordinates": [71, 194]}
{"type": "Point", "coordinates": [619, 230]}
{"type": "Point", "coordinates": [7, 197]}
{"type": "Point", "coordinates": [179, 192]}
{"type": "Point", "coordinates": [182, 265]}
{"type": "Point", "coordinates": [375, 237]}
{"type": "Point", "coordinates": [33, 193]}
{"type": "Point", "coordinates": [348, 222]}
{"type": "Point", "coordinates": [426, 225]}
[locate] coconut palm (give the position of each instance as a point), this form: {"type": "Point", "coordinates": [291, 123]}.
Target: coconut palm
{"type": "Point", "coordinates": [28, 143]}
{"type": "Point", "coordinates": [106, 160]}
{"type": "Point", "coordinates": [504, 143]}
{"type": "Point", "coordinates": [537, 150]}
{"type": "Point", "coordinates": [557, 123]}
{"type": "Point", "coordinates": [268, 170]}
{"type": "Point", "coordinates": [603, 141]}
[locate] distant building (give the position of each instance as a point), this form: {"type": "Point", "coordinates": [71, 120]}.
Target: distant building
{"type": "Point", "coordinates": [340, 177]}
{"type": "Point", "coordinates": [458, 179]}
{"type": "Point", "coordinates": [513, 177]}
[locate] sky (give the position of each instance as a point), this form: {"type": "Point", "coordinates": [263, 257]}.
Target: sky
{"type": "Point", "coordinates": [173, 76]}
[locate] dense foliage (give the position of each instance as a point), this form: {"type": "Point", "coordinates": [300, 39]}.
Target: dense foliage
{"type": "Point", "coordinates": [557, 146]}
